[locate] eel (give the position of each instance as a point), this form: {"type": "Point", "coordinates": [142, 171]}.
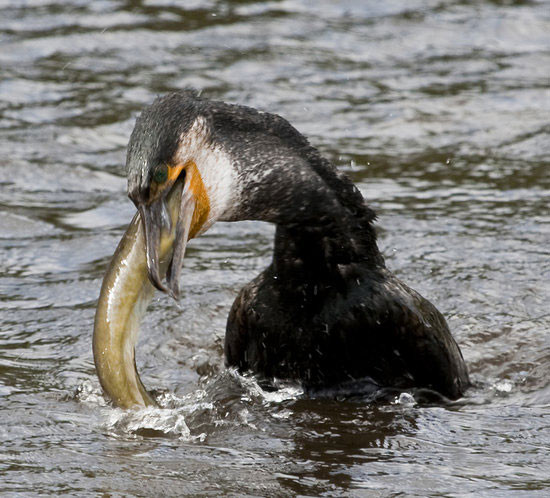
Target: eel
{"type": "Point", "coordinates": [125, 295]}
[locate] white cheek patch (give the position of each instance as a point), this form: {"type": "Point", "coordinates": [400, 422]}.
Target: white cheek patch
{"type": "Point", "coordinates": [219, 181]}
{"type": "Point", "coordinates": [216, 170]}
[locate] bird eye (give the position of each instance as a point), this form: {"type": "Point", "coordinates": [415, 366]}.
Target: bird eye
{"type": "Point", "coordinates": [160, 174]}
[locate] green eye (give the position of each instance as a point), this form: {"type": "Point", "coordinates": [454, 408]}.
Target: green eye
{"type": "Point", "coordinates": [160, 174]}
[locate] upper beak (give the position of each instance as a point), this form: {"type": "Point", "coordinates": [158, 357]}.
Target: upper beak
{"type": "Point", "coordinates": [154, 220]}
{"type": "Point", "coordinates": [166, 223]}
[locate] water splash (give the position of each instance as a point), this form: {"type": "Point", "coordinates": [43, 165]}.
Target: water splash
{"type": "Point", "coordinates": [90, 393]}
{"type": "Point", "coordinates": [405, 399]}
{"type": "Point", "coordinates": [227, 400]}
{"type": "Point", "coordinates": [150, 421]}
{"type": "Point", "coordinates": [503, 386]}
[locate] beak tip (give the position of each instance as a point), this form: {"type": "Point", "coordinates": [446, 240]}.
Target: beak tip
{"type": "Point", "coordinates": [155, 281]}
{"type": "Point", "coordinates": [174, 291]}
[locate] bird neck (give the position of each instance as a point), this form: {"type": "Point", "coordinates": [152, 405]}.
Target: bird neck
{"type": "Point", "coordinates": [329, 255]}
{"type": "Point", "coordinates": [323, 222]}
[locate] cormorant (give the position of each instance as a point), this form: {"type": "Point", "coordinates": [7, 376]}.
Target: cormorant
{"type": "Point", "coordinates": [324, 312]}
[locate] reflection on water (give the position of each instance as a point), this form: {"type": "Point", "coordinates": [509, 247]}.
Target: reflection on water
{"type": "Point", "coordinates": [438, 110]}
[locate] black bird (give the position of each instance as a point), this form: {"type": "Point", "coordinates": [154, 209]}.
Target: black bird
{"type": "Point", "coordinates": [325, 312]}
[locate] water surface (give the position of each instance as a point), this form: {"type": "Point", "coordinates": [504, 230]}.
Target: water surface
{"type": "Point", "coordinates": [439, 110]}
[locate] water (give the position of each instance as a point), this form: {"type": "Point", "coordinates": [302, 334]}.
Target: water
{"type": "Point", "coordinates": [438, 110]}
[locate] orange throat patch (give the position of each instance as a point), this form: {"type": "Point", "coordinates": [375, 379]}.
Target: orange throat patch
{"type": "Point", "coordinates": [202, 202]}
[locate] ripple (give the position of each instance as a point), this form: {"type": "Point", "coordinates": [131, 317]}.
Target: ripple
{"type": "Point", "coordinates": [439, 112]}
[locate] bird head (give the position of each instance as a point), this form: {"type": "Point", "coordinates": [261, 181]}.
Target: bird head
{"type": "Point", "coordinates": [224, 162]}
{"type": "Point", "coordinates": [172, 159]}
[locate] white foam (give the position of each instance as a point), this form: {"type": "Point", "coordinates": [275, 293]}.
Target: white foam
{"type": "Point", "coordinates": [171, 416]}
{"type": "Point", "coordinates": [405, 399]}
{"type": "Point", "coordinates": [503, 386]}
{"type": "Point", "coordinates": [90, 393]}
{"type": "Point", "coordinates": [167, 421]}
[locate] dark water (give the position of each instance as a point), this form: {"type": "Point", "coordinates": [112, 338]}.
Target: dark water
{"type": "Point", "coordinates": [438, 109]}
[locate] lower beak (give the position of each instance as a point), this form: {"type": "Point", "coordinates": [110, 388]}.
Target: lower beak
{"type": "Point", "coordinates": [166, 223]}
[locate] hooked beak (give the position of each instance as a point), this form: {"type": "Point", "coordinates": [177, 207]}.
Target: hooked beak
{"type": "Point", "coordinates": [167, 221]}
